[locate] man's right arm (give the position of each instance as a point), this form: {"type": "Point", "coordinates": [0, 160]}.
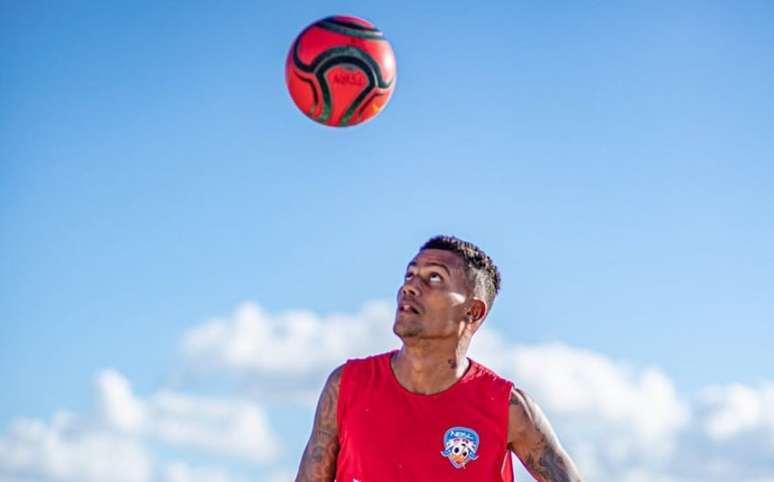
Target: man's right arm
{"type": "Point", "coordinates": [318, 464]}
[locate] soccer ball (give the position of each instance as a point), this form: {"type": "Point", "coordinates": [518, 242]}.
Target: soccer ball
{"type": "Point", "coordinates": [340, 71]}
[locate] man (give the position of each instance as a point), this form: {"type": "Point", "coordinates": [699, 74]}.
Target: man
{"type": "Point", "coordinates": [426, 412]}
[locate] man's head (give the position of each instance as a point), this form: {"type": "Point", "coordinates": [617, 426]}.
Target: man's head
{"type": "Point", "coordinates": [448, 290]}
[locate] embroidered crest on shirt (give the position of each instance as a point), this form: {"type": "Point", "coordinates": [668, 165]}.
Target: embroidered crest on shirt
{"type": "Point", "coordinates": [460, 446]}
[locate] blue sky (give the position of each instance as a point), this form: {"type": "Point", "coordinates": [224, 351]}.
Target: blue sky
{"type": "Point", "coordinates": [615, 160]}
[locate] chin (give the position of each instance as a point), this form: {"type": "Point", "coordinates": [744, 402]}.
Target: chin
{"type": "Point", "coordinates": [405, 329]}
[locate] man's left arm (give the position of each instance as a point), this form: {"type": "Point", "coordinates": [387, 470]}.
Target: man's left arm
{"type": "Point", "coordinates": [532, 439]}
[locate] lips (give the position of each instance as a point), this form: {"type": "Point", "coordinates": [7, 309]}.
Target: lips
{"type": "Point", "coordinates": [407, 306]}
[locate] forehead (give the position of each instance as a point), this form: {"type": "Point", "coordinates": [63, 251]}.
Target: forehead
{"type": "Point", "coordinates": [439, 256]}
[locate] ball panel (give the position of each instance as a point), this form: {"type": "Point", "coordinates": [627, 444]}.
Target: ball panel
{"type": "Point", "coordinates": [373, 105]}
{"type": "Point", "coordinates": [350, 29]}
{"type": "Point", "coordinates": [353, 20]}
{"type": "Point", "coordinates": [314, 41]}
{"type": "Point", "coordinates": [348, 83]}
{"type": "Point", "coordinates": [304, 92]}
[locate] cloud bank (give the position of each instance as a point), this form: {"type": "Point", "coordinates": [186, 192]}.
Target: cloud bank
{"type": "Point", "coordinates": [618, 421]}
{"type": "Point", "coordinates": [112, 445]}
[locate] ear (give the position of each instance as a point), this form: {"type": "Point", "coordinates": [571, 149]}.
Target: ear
{"type": "Point", "coordinates": [477, 311]}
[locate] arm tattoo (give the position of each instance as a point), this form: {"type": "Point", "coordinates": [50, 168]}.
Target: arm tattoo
{"type": "Point", "coordinates": [533, 440]}
{"type": "Point", "coordinates": [318, 464]}
{"type": "Point", "coordinates": [551, 466]}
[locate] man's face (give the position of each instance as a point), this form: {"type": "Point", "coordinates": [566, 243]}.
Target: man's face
{"type": "Point", "coordinates": [433, 298]}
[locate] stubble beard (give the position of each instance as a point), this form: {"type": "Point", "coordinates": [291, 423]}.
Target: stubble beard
{"type": "Point", "coordinates": [404, 329]}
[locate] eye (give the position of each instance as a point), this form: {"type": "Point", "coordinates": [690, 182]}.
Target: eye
{"type": "Point", "coordinates": [408, 276]}
{"type": "Point", "coordinates": [435, 278]}
{"type": "Point", "coordinates": [456, 450]}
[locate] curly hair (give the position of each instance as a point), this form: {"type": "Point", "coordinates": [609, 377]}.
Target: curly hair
{"type": "Point", "coordinates": [479, 267]}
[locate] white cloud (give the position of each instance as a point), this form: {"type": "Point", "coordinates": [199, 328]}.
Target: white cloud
{"type": "Point", "coordinates": [293, 343]}
{"type": "Point", "coordinates": [117, 403]}
{"type": "Point", "coordinates": [182, 472]}
{"type": "Point", "coordinates": [629, 414]}
{"type": "Point", "coordinates": [613, 416]}
{"type": "Point", "coordinates": [69, 450]}
{"type": "Point", "coordinates": [179, 471]}
{"type": "Point", "coordinates": [237, 428]}
{"type": "Point", "coordinates": [111, 447]}
{"type": "Point", "coordinates": [735, 431]}
{"type": "Point", "coordinates": [231, 427]}
{"type": "Point", "coordinates": [738, 409]}
{"type": "Point", "coordinates": [620, 422]}
{"type": "Point", "coordinates": [281, 475]}
{"type": "Point", "coordinates": [581, 384]}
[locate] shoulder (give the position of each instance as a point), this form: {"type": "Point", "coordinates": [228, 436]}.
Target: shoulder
{"type": "Point", "coordinates": [333, 382]}
{"type": "Point", "coordinates": [527, 424]}
{"type": "Point", "coordinates": [522, 408]}
{"type": "Point", "coordinates": [335, 375]}
{"type": "Point", "coordinates": [532, 439]}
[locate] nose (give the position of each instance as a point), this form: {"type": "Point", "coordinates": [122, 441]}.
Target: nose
{"type": "Point", "coordinates": [409, 288]}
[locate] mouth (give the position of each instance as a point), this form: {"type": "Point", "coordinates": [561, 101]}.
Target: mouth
{"type": "Point", "coordinates": [405, 307]}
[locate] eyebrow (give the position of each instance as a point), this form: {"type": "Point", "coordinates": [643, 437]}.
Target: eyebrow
{"type": "Point", "coordinates": [431, 263]}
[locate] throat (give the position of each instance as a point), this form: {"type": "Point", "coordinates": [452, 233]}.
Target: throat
{"type": "Point", "coordinates": [427, 375]}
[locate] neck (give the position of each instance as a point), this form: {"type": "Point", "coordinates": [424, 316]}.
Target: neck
{"type": "Point", "coordinates": [427, 368]}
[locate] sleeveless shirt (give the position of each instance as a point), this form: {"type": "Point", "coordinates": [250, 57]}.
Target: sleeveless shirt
{"type": "Point", "coordinates": [389, 434]}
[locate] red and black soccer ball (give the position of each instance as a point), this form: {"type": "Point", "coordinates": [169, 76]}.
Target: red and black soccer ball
{"type": "Point", "coordinates": [340, 71]}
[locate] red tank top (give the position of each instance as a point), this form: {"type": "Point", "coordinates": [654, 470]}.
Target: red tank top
{"type": "Point", "coordinates": [389, 434]}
